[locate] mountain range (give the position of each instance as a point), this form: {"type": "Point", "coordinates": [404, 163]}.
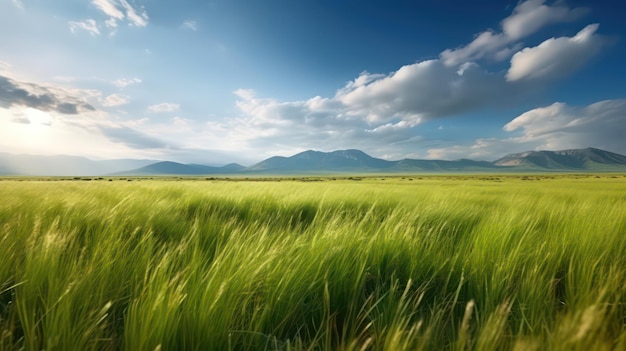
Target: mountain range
{"type": "Point", "coordinates": [316, 162]}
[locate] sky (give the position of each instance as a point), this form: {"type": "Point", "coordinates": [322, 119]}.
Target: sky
{"type": "Point", "coordinates": [222, 81]}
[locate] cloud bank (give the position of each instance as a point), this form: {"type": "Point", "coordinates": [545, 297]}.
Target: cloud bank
{"type": "Point", "coordinates": [554, 127]}
{"type": "Point", "coordinates": [528, 17]}
{"type": "Point", "coordinates": [556, 57]}
{"type": "Point", "coordinates": [384, 111]}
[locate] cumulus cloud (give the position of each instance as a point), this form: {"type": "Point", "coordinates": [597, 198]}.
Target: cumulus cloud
{"type": "Point", "coordinates": [415, 93]}
{"type": "Point", "coordinates": [164, 107]}
{"type": "Point", "coordinates": [114, 100]}
{"type": "Point", "coordinates": [88, 25]}
{"type": "Point", "coordinates": [384, 111]}
{"type": "Point", "coordinates": [288, 127]}
{"type": "Point", "coordinates": [412, 94]}
{"type": "Point", "coordinates": [15, 93]}
{"type": "Point", "coordinates": [527, 18]}
{"type": "Point", "coordinates": [555, 127]}
{"type": "Point", "coordinates": [600, 124]}
{"type": "Point", "coordinates": [376, 111]}
{"type": "Point", "coordinates": [119, 10]}
{"type": "Point", "coordinates": [556, 57]}
{"type": "Point", "coordinates": [420, 91]}
{"type": "Point", "coordinates": [190, 25]}
{"type": "Point", "coordinates": [124, 82]}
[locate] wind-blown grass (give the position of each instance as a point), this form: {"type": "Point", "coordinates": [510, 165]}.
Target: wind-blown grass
{"type": "Point", "coordinates": [437, 263]}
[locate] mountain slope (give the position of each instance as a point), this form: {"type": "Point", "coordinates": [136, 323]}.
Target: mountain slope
{"type": "Point", "coordinates": [410, 165]}
{"type": "Point", "coordinates": [317, 161]}
{"type": "Point", "coordinates": [175, 168]}
{"type": "Point", "coordinates": [573, 159]}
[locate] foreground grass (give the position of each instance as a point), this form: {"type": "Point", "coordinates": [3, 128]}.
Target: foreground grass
{"type": "Point", "coordinates": [396, 264]}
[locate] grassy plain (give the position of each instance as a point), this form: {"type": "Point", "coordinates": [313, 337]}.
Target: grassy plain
{"type": "Point", "coordinates": [450, 262]}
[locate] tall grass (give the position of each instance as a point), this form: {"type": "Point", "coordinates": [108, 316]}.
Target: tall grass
{"type": "Point", "coordinates": [437, 263]}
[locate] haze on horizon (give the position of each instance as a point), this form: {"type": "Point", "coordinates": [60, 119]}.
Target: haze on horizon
{"type": "Point", "coordinates": [241, 80]}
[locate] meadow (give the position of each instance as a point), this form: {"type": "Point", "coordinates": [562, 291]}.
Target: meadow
{"type": "Point", "coordinates": [373, 263]}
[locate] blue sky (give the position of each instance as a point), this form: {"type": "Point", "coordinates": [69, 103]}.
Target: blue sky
{"type": "Point", "coordinates": [240, 80]}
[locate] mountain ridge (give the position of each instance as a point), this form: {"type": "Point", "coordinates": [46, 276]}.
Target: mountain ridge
{"type": "Point", "coordinates": [357, 161]}
{"type": "Point", "coordinates": [570, 159]}
{"type": "Point", "coordinates": [318, 162]}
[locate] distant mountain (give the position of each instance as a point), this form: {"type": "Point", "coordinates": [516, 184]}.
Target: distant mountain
{"type": "Point", "coordinates": [37, 165]}
{"type": "Point", "coordinates": [409, 165]}
{"type": "Point", "coordinates": [174, 168]}
{"type": "Point", "coordinates": [317, 162]}
{"type": "Point", "coordinates": [575, 159]}
{"type": "Point", "coordinates": [346, 161]}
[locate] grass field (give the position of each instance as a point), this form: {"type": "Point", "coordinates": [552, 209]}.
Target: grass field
{"type": "Point", "coordinates": [434, 263]}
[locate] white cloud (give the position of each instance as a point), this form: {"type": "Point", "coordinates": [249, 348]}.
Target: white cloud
{"type": "Point", "coordinates": [420, 91]}
{"type": "Point", "coordinates": [382, 112]}
{"type": "Point", "coordinates": [555, 127]}
{"type": "Point", "coordinates": [528, 17]}
{"type": "Point", "coordinates": [114, 100]}
{"type": "Point", "coordinates": [4, 67]}
{"type": "Point", "coordinates": [164, 107]}
{"type": "Point", "coordinates": [245, 94]}
{"type": "Point", "coordinates": [289, 127]}
{"type": "Point", "coordinates": [124, 82]}
{"type": "Point", "coordinates": [88, 25]}
{"type": "Point", "coordinates": [555, 57]}
{"type": "Point", "coordinates": [136, 19]}
{"type": "Point", "coordinates": [92, 134]}
{"type": "Point", "coordinates": [109, 7]}
{"type": "Point", "coordinates": [451, 153]}
{"type": "Point", "coordinates": [18, 3]}
{"type": "Point", "coordinates": [191, 25]}
{"type": "Point", "coordinates": [414, 93]}
{"type": "Point", "coordinates": [111, 23]}
{"type": "Point", "coordinates": [386, 108]}
{"type": "Point", "coordinates": [119, 10]}
{"type": "Point", "coordinates": [48, 119]}
{"type": "Point", "coordinates": [600, 125]}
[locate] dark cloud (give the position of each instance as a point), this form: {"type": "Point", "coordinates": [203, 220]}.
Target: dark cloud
{"type": "Point", "coordinates": [13, 93]}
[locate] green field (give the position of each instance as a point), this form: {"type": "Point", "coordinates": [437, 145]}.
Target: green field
{"type": "Point", "coordinates": [434, 263]}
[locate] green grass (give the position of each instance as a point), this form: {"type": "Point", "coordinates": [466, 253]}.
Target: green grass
{"type": "Point", "coordinates": [456, 263]}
